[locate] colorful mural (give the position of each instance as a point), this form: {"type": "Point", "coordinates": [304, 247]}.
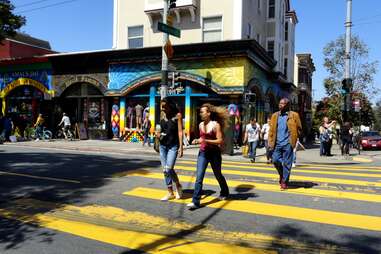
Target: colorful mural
{"type": "Point", "coordinates": [224, 73]}
{"type": "Point", "coordinates": [41, 79]}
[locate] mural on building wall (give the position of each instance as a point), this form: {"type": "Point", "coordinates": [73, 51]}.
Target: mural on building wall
{"type": "Point", "coordinates": [40, 79]}
{"type": "Point", "coordinates": [227, 74]}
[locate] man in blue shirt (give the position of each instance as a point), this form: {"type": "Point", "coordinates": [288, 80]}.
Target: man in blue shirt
{"type": "Point", "coordinates": [285, 129]}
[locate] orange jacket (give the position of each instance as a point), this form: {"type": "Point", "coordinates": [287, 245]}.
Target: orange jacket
{"type": "Point", "coordinates": [293, 124]}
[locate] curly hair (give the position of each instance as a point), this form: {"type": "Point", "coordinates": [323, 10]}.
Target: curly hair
{"type": "Point", "coordinates": [218, 114]}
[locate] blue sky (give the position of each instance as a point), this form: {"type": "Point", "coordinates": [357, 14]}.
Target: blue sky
{"type": "Point", "coordinates": [82, 25]}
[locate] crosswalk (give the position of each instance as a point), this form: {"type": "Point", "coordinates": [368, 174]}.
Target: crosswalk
{"type": "Point", "coordinates": [328, 197]}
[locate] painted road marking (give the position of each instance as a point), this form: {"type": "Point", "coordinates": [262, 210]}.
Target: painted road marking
{"type": "Point", "coordinates": [365, 222]}
{"type": "Point", "coordinates": [305, 165]}
{"type": "Point", "coordinates": [148, 242]}
{"type": "Point", "coordinates": [268, 187]}
{"type": "Point", "coordinates": [293, 177]}
{"type": "Point", "coordinates": [253, 166]}
{"type": "Point", "coordinates": [361, 159]}
{"type": "Point", "coordinates": [40, 177]}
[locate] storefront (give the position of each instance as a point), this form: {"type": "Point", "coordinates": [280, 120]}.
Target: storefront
{"type": "Point", "coordinates": [233, 79]}
{"type": "Point", "coordinates": [82, 98]}
{"type": "Point", "coordinates": [25, 93]}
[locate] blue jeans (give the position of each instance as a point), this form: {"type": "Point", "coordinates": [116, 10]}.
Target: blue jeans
{"type": "Point", "coordinates": [282, 159]}
{"type": "Point", "coordinates": [253, 149]}
{"type": "Point", "coordinates": [168, 155]}
{"type": "Point", "coordinates": [146, 139]}
{"type": "Point", "coordinates": [215, 159]}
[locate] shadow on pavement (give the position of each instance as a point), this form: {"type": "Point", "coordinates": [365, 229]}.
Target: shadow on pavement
{"type": "Point", "coordinates": [60, 178]}
{"type": "Point", "coordinates": [355, 243]}
{"type": "Point", "coordinates": [182, 234]}
{"type": "Point", "coordinates": [297, 185]}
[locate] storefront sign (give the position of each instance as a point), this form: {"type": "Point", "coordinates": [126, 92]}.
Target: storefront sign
{"type": "Point", "coordinates": [23, 82]}
{"type": "Point", "coordinates": [42, 76]}
{"type": "Point", "coordinates": [177, 88]}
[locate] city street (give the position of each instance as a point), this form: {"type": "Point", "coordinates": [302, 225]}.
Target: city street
{"type": "Point", "coordinates": [104, 197]}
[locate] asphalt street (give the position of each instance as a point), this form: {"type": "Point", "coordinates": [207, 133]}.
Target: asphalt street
{"type": "Point", "coordinates": [86, 201]}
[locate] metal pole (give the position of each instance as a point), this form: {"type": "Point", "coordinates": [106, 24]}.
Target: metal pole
{"type": "Point", "coordinates": [348, 26]}
{"type": "Point", "coordinates": [164, 61]}
{"type": "Point", "coordinates": [347, 75]}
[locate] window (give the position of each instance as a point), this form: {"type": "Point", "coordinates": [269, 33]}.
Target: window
{"type": "Point", "coordinates": [270, 48]}
{"type": "Point", "coordinates": [271, 9]}
{"type": "Point", "coordinates": [212, 29]}
{"type": "Point", "coordinates": [286, 31]}
{"type": "Point", "coordinates": [135, 37]}
{"type": "Point", "coordinates": [285, 66]}
{"type": "Point", "coordinates": [248, 32]}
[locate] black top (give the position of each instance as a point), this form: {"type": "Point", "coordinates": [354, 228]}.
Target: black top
{"type": "Point", "coordinates": [169, 132]}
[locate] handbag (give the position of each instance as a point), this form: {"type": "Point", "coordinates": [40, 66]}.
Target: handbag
{"type": "Point", "coordinates": [245, 150]}
{"type": "Point", "coordinates": [156, 145]}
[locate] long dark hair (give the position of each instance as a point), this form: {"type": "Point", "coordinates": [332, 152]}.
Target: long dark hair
{"type": "Point", "coordinates": [172, 106]}
{"type": "Point", "coordinates": [218, 114]}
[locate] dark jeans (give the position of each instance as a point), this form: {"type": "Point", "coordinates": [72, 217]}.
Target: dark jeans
{"type": "Point", "coordinates": [146, 138]}
{"type": "Point", "coordinates": [282, 159]}
{"type": "Point", "coordinates": [204, 157]}
{"type": "Point", "coordinates": [39, 132]}
{"type": "Point", "coordinates": [253, 149]}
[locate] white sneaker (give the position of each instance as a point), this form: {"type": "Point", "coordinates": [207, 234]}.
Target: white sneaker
{"type": "Point", "coordinates": [179, 192]}
{"type": "Point", "coordinates": [192, 206]}
{"type": "Point", "coordinates": [37, 139]}
{"type": "Point", "coordinates": [293, 165]}
{"type": "Point", "coordinates": [167, 197]}
{"type": "Point", "coordinates": [221, 198]}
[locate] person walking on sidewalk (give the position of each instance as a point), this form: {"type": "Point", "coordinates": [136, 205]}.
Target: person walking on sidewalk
{"type": "Point", "coordinates": [214, 120]}
{"type": "Point", "coordinates": [252, 132]}
{"type": "Point", "coordinates": [146, 129]}
{"type": "Point", "coordinates": [346, 138]}
{"type": "Point", "coordinates": [265, 136]}
{"type": "Point", "coordinates": [170, 135]}
{"type": "Point", "coordinates": [39, 126]}
{"type": "Point", "coordinates": [285, 129]}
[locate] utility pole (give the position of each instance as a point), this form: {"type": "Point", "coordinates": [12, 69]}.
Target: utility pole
{"type": "Point", "coordinates": [164, 60]}
{"type": "Point", "coordinates": [347, 81]}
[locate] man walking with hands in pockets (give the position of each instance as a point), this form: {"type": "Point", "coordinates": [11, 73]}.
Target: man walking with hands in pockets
{"type": "Point", "coordinates": [285, 129]}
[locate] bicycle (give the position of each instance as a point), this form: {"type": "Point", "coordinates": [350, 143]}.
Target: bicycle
{"type": "Point", "coordinates": [45, 135]}
{"type": "Point", "coordinates": [65, 130]}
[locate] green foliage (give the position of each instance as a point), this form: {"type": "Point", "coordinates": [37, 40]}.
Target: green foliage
{"type": "Point", "coordinates": [362, 70]}
{"type": "Point", "coordinates": [377, 116]}
{"type": "Point", "coordinates": [9, 23]}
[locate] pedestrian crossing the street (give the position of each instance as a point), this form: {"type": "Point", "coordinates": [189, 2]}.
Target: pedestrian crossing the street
{"type": "Point", "coordinates": [326, 197]}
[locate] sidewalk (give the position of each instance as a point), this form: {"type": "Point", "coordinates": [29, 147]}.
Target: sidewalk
{"type": "Point", "coordinates": [109, 146]}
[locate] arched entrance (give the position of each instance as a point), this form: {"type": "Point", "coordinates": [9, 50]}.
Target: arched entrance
{"type": "Point", "coordinates": [85, 105]}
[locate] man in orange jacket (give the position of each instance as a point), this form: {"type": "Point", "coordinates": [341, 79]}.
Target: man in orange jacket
{"type": "Point", "coordinates": [285, 129]}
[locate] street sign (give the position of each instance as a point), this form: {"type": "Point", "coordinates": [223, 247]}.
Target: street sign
{"type": "Point", "coordinates": [168, 29]}
{"type": "Point", "coordinates": [168, 49]}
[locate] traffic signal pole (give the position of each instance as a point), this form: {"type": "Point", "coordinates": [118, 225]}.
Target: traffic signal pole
{"type": "Point", "coordinates": [164, 60]}
{"type": "Point", "coordinates": [347, 82]}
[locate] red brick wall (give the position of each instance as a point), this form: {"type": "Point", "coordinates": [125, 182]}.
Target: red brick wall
{"type": "Point", "coordinates": [12, 49]}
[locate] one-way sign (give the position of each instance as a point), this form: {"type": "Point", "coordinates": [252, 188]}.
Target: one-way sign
{"type": "Point", "coordinates": [168, 29]}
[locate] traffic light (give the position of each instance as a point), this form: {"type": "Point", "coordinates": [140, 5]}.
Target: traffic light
{"type": "Point", "coordinates": [347, 84]}
{"type": "Point", "coordinates": [172, 4]}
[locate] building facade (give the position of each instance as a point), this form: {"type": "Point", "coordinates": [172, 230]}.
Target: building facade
{"type": "Point", "coordinates": [270, 22]}
{"type": "Point", "coordinates": [304, 69]}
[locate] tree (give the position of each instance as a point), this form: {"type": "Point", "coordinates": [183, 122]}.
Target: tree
{"type": "Point", "coordinates": [377, 116]}
{"type": "Point", "coordinates": [9, 22]}
{"type": "Point", "coordinates": [362, 70]}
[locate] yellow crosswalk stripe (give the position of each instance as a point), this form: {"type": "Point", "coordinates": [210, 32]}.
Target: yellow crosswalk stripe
{"type": "Point", "coordinates": [293, 177]}
{"type": "Point", "coordinates": [268, 187]}
{"type": "Point", "coordinates": [255, 167]}
{"type": "Point", "coordinates": [348, 167]}
{"type": "Point", "coordinates": [147, 242]}
{"type": "Point", "coordinates": [281, 211]}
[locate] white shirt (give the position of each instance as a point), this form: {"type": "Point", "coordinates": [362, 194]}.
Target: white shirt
{"type": "Point", "coordinates": [265, 131]}
{"type": "Point", "coordinates": [66, 121]}
{"type": "Point", "coordinates": [252, 132]}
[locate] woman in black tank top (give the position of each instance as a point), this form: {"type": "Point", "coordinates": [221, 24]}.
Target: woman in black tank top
{"type": "Point", "coordinates": [171, 146]}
